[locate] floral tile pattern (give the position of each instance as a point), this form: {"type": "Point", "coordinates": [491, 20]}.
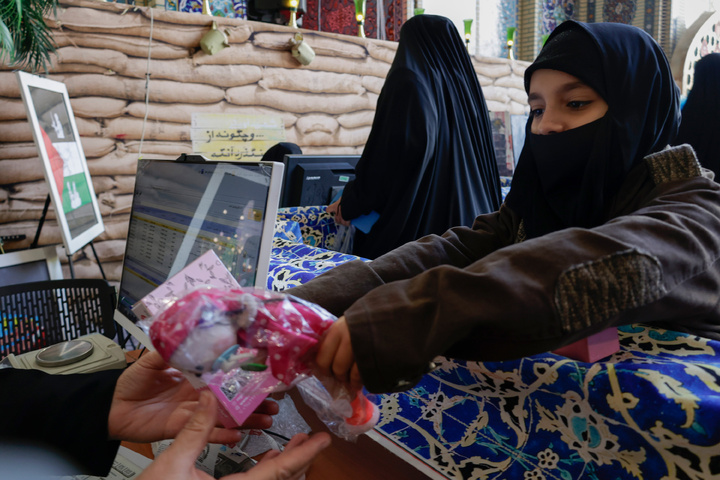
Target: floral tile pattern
{"type": "Point", "coordinates": [649, 411]}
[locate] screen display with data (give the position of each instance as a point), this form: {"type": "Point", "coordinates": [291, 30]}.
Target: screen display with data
{"type": "Point", "coordinates": [181, 210]}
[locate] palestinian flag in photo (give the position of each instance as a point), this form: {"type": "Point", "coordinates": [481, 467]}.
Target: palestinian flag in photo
{"type": "Point", "coordinates": [72, 187]}
{"type": "Point", "coordinates": [56, 163]}
{"type": "Point", "coordinates": [76, 192]}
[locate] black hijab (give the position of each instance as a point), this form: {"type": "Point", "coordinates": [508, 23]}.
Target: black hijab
{"type": "Point", "coordinates": [429, 162]}
{"type": "Point", "coordinates": [700, 126]}
{"type": "Point", "coordinates": [630, 72]}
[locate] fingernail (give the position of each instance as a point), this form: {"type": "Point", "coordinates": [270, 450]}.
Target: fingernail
{"type": "Point", "coordinates": [205, 398]}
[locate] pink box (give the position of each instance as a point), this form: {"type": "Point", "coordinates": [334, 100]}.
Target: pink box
{"type": "Point", "coordinates": [236, 404]}
{"type": "Point", "coordinates": [207, 269]}
{"type": "Point", "coordinates": [592, 348]}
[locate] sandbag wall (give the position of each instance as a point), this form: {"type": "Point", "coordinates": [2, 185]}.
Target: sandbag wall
{"type": "Point", "coordinates": [102, 57]}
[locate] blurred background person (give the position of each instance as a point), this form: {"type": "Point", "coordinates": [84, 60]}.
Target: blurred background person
{"type": "Point", "coordinates": [429, 162]}
{"type": "Point", "coordinates": [700, 124]}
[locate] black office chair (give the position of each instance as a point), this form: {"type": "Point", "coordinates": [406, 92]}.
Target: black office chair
{"type": "Point", "coordinates": [35, 315]}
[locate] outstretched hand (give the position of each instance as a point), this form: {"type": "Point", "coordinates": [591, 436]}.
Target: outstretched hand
{"type": "Point", "coordinates": [153, 402]}
{"type": "Point", "coordinates": [178, 461]}
{"type": "Point", "coordinates": [335, 356]}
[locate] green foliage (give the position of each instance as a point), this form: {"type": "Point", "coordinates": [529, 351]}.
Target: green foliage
{"type": "Point", "coordinates": [25, 39]}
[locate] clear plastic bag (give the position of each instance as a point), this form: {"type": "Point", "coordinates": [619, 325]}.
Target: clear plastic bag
{"type": "Point", "coordinates": [246, 343]}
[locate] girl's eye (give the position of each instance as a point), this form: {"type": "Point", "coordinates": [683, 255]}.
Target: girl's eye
{"type": "Point", "coordinates": [577, 104]}
{"type": "Point", "coordinates": [536, 112]}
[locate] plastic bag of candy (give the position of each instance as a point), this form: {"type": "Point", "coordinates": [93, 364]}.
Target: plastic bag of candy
{"type": "Point", "coordinates": [246, 343]}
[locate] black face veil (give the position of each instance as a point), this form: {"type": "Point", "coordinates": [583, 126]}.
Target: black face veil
{"type": "Point", "coordinates": [631, 73]}
{"type": "Point", "coordinates": [429, 162]}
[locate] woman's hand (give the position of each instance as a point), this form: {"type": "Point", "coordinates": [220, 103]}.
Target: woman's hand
{"type": "Point", "coordinates": [292, 463]}
{"type": "Point", "coordinates": [178, 461]}
{"type": "Point", "coordinates": [154, 402]}
{"type": "Point", "coordinates": [335, 209]}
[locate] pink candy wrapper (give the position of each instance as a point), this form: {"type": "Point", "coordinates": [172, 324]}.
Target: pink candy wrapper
{"type": "Point", "coordinates": [246, 343]}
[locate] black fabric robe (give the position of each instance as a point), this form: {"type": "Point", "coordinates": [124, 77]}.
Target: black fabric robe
{"type": "Point", "coordinates": [64, 415]}
{"type": "Point", "coordinates": [429, 162]}
{"type": "Point", "coordinates": [700, 126]}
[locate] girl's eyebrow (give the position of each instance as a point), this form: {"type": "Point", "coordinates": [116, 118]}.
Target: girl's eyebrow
{"type": "Point", "coordinates": [564, 88]}
{"type": "Point", "coordinates": [534, 96]}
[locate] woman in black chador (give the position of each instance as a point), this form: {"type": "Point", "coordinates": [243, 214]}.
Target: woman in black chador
{"type": "Point", "coordinates": [429, 162]}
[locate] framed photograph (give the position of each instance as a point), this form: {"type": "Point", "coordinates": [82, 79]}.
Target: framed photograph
{"type": "Point", "coordinates": [58, 143]}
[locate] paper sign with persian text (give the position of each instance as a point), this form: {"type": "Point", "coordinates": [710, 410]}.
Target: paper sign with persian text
{"type": "Point", "coordinates": [219, 136]}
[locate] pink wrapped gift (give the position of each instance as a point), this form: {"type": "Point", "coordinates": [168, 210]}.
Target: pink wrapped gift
{"type": "Point", "coordinates": [592, 348]}
{"type": "Point", "coordinates": [245, 343]}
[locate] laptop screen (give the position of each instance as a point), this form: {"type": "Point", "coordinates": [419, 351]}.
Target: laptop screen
{"type": "Point", "coordinates": [181, 210]}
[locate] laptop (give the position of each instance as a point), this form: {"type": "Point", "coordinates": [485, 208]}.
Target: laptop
{"type": "Point", "coordinates": [183, 208]}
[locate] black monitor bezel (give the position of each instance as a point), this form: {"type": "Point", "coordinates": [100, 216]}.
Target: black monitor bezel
{"type": "Point", "coordinates": [291, 161]}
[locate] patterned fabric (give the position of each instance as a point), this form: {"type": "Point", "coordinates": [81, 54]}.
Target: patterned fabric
{"type": "Point", "coordinates": [219, 8]}
{"type": "Point", "coordinates": [619, 11]}
{"type": "Point", "coordinates": [649, 411]}
{"type": "Point", "coordinates": [555, 12]}
{"type": "Point", "coordinates": [304, 246]}
{"type": "Point", "coordinates": [505, 186]}
{"type": "Point", "coordinates": [338, 16]}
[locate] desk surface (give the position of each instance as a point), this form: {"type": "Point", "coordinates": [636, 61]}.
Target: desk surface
{"type": "Point", "coordinates": [365, 459]}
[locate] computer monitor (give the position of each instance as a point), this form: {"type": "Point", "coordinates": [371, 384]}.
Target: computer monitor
{"type": "Point", "coordinates": [32, 265]}
{"type": "Point", "coordinates": [180, 210]}
{"type": "Point", "coordinates": [315, 179]}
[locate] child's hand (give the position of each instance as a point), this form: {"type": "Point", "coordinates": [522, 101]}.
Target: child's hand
{"type": "Point", "coordinates": [335, 356]}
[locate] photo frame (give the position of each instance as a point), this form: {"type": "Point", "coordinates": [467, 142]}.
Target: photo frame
{"type": "Point", "coordinates": [58, 142]}
{"type": "Point", "coordinates": [30, 265]}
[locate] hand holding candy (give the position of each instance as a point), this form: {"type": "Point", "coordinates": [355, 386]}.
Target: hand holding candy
{"type": "Point", "coordinates": [335, 357]}
{"type": "Point", "coordinates": [246, 343]}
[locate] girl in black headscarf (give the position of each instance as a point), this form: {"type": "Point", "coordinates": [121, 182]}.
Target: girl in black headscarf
{"type": "Point", "coordinates": [700, 125]}
{"type": "Point", "coordinates": [429, 162]}
{"type": "Point", "coordinates": [569, 180]}
{"type": "Point", "coordinates": [603, 226]}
